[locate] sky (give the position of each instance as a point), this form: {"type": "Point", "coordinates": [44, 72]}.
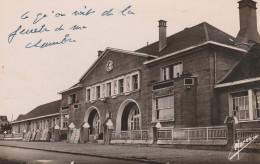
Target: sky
{"type": "Point", "coordinates": [31, 76]}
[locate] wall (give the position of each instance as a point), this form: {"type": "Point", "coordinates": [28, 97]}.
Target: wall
{"type": "Point", "coordinates": [123, 64]}
{"type": "Point", "coordinates": [200, 63]}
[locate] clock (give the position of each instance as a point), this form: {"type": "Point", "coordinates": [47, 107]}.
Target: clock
{"type": "Point", "coordinates": [109, 66]}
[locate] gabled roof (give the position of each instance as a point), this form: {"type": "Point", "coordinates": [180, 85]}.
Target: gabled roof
{"type": "Point", "coordinates": [189, 37]}
{"type": "Point", "coordinates": [41, 111]}
{"type": "Point", "coordinates": [107, 50]}
{"type": "Point", "coordinates": [247, 68]}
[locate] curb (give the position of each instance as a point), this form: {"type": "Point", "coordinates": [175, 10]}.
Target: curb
{"type": "Point", "coordinates": [90, 155]}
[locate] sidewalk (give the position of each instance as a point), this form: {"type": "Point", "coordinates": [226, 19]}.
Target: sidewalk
{"type": "Point", "coordinates": [138, 152]}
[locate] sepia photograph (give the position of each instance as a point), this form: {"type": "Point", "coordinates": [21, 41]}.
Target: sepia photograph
{"type": "Point", "coordinates": [129, 81]}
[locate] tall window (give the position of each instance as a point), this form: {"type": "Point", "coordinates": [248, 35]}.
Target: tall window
{"type": "Point", "coordinates": [93, 92]}
{"type": "Point", "coordinates": [88, 94]}
{"type": "Point", "coordinates": [135, 82]}
{"type": "Point", "coordinates": [72, 99]}
{"type": "Point", "coordinates": [103, 90]}
{"type": "Point", "coordinates": [240, 105]}
{"type": "Point", "coordinates": [98, 92]}
{"type": "Point", "coordinates": [166, 73]}
{"type": "Point", "coordinates": [164, 108]}
{"type": "Point", "coordinates": [121, 85]}
{"type": "Point", "coordinates": [115, 87]}
{"type": "Point", "coordinates": [172, 71]}
{"type": "Point", "coordinates": [96, 124]}
{"type": "Point", "coordinates": [65, 121]}
{"type": "Point", "coordinates": [108, 89]}
{"type": "Point", "coordinates": [257, 105]}
{"type": "Point", "coordinates": [127, 83]}
{"type": "Point", "coordinates": [135, 118]}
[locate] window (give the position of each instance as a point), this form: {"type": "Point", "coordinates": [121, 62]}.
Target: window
{"type": "Point", "coordinates": [88, 94]}
{"type": "Point", "coordinates": [135, 82]}
{"type": "Point", "coordinates": [257, 105]}
{"type": "Point", "coordinates": [108, 92]}
{"type": "Point", "coordinates": [72, 99]}
{"type": "Point", "coordinates": [164, 108]}
{"type": "Point", "coordinates": [240, 105]}
{"type": "Point", "coordinates": [40, 125]}
{"type": "Point", "coordinates": [57, 121]}
{"type": "Point", "coordinates": [93, 93]}
{"type": "Point", "coordinates": [98, 92]}
{"type": "Point", "coordinates": [121, 85]}
{"type": "Point", "coordinates": [135, 118]}
{"type": "Point", "coordinates": [166, 75]}
{"type": "Point", "coordinates": [96, 124]}
{"type": "Point", "coordinates": [65, 121]}
{"type": "Point", "coordinates": [172, 71]}
{"type": "Point", "coordinates": [127, 83]}
{"type": "Point", "coordinates": [115, 87]}
{"type": "Point", "coordinates": [103, 90]}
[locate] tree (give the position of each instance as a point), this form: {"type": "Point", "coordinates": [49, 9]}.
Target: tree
{"type": "Point", "coordinates": [5, 127]}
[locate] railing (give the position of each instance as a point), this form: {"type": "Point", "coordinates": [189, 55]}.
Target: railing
{"type": "Point", "coordinates": [13, 136]}
{"type": "Point", "coordinates": [132, 135]}
{"type": "Point", "coordinates": [244, 134]}
{"type": "Point", "coordinates": [200, 133]}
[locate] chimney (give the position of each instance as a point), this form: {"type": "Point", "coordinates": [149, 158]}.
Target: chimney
{"type": "Point", "coordinates": [99, 53]}
{"type": "Point", "coordinates": [162, 34]}
{"type": "Point", "coordinates": [248, 23]}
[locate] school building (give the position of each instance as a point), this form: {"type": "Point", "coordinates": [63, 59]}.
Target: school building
{"type": "Point", "coordinates": [182, 86]}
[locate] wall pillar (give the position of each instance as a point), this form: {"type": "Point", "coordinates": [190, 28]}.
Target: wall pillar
{"type": "Point", "coordinates": [230, 135]}
{"type": "Point", "coordinates": [55, 133]}
{"type": "Point", "coordinates": [84, 132]}
{"type": "Point", "coordinates": [250, 104]}
{"type": "Point", "coordinates": [155, 135]}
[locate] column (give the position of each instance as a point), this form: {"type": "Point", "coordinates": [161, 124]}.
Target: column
{"type": "Point", "coordinates": [250, 104]}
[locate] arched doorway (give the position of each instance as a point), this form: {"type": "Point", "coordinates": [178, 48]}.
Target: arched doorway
{"type": "Point", "coordinates": [94, 122]}
{"type": "Point", "coordinates": [129, 116]}
{"type": "Point", "coordinates": [92, 117]}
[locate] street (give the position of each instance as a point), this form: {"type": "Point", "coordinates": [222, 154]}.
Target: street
{"type": "Point", "coordinates": [19, 155]}
{"type": "Point", "coordinates": [61, 152]}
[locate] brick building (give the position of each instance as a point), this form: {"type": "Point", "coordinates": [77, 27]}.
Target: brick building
{"type": "Point", "coordinates": [194, 78]}
{"type": "Point", "coordinates": [179, 81]}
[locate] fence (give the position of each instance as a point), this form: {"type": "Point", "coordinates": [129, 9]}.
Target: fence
{"type": "Point", "coordinates": [132, 135]}
{"type": "Point", "coordinates": [15, 136]}
{"type": "Point", "coordinates": [244, 134]}
{"type": "Point", "coordinates": [198, 133]}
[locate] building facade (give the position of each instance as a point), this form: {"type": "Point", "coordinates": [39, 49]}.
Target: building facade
{"type": "Point", "coordinates": [175, 82]}
{"type": "Point", "coordinates": [194, 78]}
{"type": "Point", "coordinates": [40, 118]}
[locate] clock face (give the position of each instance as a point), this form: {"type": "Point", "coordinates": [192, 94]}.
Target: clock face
{"type": "Point", "coordinates": [109, 66]}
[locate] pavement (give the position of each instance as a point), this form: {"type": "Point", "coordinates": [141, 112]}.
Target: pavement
{"type": "Point", "coordinates": [138, 153]}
